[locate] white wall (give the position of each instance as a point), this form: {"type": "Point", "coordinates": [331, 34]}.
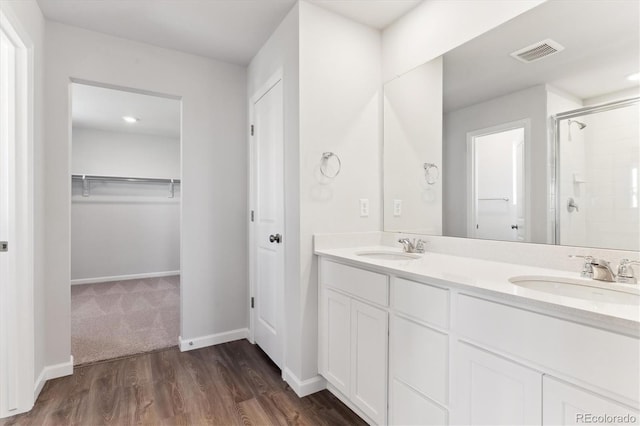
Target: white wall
{"type": "Point", "coordinates": [281, 52]}
{"type": "Point", "coordinates": [413, 136]}
{"type": "Point", "coordinates": [124, 229]}
{"type": "Point", "coordinates": [529, 103]}
{"type": "Point", "coordinates": [214, 173]}
{"type": "Point", "coordinates": [332, 103]}
{"type": "Point", "coordinates": [100, 152]}
{"type": "Point", "coordinates": [437, 26]}
{"type": "Point", "coordinates": [340, 111]}
{"type": "Point", "coordinates": [32, 24]}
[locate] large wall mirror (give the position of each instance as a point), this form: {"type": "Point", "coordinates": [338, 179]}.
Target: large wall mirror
{"type": "Point", "coordinates": [535, 137]}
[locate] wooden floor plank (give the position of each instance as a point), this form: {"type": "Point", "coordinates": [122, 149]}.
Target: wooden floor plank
{"type": "Point", "coordinates": [230, 384]}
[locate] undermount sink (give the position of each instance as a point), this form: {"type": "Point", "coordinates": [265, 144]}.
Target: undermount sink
{"type": "Point", "coordinates": [388, 255]}
{"type": "Point", "coordinates": [582, 289]}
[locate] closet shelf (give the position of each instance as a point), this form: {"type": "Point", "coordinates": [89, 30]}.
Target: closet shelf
{"type": "Point", "coordinates": [125, 179]}
{"type": "Point", "coordinates": [85, 179]}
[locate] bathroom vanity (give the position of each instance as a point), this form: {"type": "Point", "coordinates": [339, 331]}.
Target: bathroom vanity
{"type": "Point", "coordinates": [443, 339]}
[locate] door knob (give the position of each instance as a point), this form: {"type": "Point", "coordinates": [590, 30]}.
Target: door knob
{"type": "Point", "coordinates": [571, 205]}
{"type": "Point", "coordinates": [514, 226]}
{"type": "Point", "coordinates": [275, 238]}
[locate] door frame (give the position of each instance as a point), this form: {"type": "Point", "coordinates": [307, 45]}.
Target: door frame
{"type": "Point", "coordinates": [21, 345]}
{"type": "Point", "coordinates": [275, 78]}
{"type": "Point", "coordinates": [472, 204]}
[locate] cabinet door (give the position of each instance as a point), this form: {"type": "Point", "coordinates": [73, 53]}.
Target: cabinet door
{"type": "Point", "coordinates": [369, 335]}
{"type": "Point", "coordinates": [336, 345]}
{"type": "Point", "coordinates": [420, 358]}
{"type": "Point", "coordinates": [408, 407]}
{"type": "Point", "coordinates": [491, 390]}
{"type": "Point", "coordinates": [564, 404]}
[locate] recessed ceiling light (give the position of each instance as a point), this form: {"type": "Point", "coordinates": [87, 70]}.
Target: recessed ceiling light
{"type": "Point", "coordinates": [634, 77]}
{"type": "Point", "coordinates": [130, 119]}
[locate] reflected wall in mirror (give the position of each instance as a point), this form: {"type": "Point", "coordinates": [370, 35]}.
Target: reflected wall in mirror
{"type": "Point", "coordinates": [486, 90]}
{"type": "Point", "coordinates": [413, 156]}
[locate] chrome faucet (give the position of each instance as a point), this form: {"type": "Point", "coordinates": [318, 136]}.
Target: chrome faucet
{"type": "Point", "coordinates": [625, 272]}
{"type": "Point", "coordinates": [412, 246]}
{"type": "Point", "coordinates": [587, 268]}
{"type": "Point", "coordinates": [602, 270]}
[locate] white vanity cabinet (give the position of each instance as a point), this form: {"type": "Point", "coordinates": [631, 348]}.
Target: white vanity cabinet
{"type": "Point", "coordinates": [353, 330]}
{"type": "Point", "coordinates": [566, 404]}
{"type": "Point", "coordinates": [509, 354]}
{"type": "Point", "coordinates": [454, 356]}
{"type": "Point", "coordinates": [492, 390]}
{"type": "Point", "coordinates": [418, 354]}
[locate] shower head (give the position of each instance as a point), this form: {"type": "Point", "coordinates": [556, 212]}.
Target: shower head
{"type": "Point", "coordinates": [580, 124]}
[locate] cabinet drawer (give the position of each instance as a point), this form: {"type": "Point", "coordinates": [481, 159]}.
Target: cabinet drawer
{"type": "Point", "coordinates": [367, 285]}
{"type": "Point", "coordinates": [601, 358]}
{"type": "Point", "coordinates": [421, 301]}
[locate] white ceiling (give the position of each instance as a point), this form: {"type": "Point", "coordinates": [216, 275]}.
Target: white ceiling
{"type": "Point", "coordinates": [228, 30]}
{"type": "Point", "coordinates": [602, 47]}
{"type": "Point", "coordinates": [102, 109]}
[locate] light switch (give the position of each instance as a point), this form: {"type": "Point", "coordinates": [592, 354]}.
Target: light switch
{"type": "Point", "coordinates": [364, 207]}
{"type": "Point", "coordinates": [397, 207]}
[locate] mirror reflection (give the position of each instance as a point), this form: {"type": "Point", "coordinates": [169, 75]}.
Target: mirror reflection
{"type": "Point", "coordinates": [597, 176]}
{"type": "Point", "coordinates": [507, 173]}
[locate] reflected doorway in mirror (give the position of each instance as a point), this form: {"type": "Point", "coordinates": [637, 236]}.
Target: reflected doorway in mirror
{"type": "Point", "coordinates": [497, 198]}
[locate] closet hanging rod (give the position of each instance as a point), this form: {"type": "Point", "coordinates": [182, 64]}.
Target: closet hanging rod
{"type": "Point", "coordinates": [494, 199]}
{"type": "Point", "coordinates": [124, 179]}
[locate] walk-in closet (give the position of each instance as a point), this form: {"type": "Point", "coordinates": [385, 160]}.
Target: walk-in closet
{"type": "Point", "coordinates": [125, 222]}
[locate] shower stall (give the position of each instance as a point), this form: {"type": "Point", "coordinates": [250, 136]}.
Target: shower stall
{"type": "Point", "coordinates": [597, 157]}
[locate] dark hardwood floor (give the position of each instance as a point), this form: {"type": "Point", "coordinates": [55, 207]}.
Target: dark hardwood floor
{"type": "Point", "coordinates": [230, 384]}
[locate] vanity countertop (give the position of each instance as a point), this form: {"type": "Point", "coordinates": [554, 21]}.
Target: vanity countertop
{"type": "Point", "coordinates": [492, 278]}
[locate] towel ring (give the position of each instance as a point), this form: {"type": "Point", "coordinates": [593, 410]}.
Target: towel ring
{"type": "Point", "coordinates": [324, 162]}
{"type": "Point", "coordinates": [431, 173]}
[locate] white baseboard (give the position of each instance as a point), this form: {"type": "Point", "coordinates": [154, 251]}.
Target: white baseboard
{"type": "Point", "coordinates": [52, 372]}
{"type": "Point", "coordinates": [306, 387]}
{"type": "Point", "coordinates": [212, 339]}
{"type": "Point", "coordinates": [124, 277]}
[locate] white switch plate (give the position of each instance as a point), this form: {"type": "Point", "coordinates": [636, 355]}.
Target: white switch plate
{"type": "Point", "coordinates": [364, 207]}
{"type": "Point", "coordinates": [397, 207]}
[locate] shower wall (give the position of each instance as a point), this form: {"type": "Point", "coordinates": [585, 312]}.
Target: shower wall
{"type": "Point", "coordinates": [599, 170]}
{"type": "Point", "coordinates": [612, 158]}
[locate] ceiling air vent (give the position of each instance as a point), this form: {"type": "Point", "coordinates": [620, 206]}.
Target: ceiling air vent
{"type": "Point", "coordinates": [537, 51]}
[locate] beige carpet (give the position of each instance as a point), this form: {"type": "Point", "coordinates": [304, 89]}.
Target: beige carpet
{"type": "Point", "coordinates": [114, 319]}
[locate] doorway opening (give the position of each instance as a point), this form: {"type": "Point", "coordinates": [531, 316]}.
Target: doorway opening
{"type": "Point", "coordinates": [497, 187]}
{"type": "Point", "coordinates": [125, 222]}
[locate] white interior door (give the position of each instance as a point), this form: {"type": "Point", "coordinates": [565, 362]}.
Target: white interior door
{"type": "Point", "coordinates": [8, 324]}
{"type": "Point", "coordinates": [268, 134]}
{"type": "Point", "coordinates": [498, 184]}
{"type": "Point", "coordinates": [16, 224]}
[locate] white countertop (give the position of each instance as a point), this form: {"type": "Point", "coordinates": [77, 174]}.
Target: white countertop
{"type": "Point", "coordinates": [493, 278]}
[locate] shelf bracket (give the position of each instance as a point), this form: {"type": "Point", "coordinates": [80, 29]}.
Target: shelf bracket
{"type": "Point", "coordinates": [85, 186]}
